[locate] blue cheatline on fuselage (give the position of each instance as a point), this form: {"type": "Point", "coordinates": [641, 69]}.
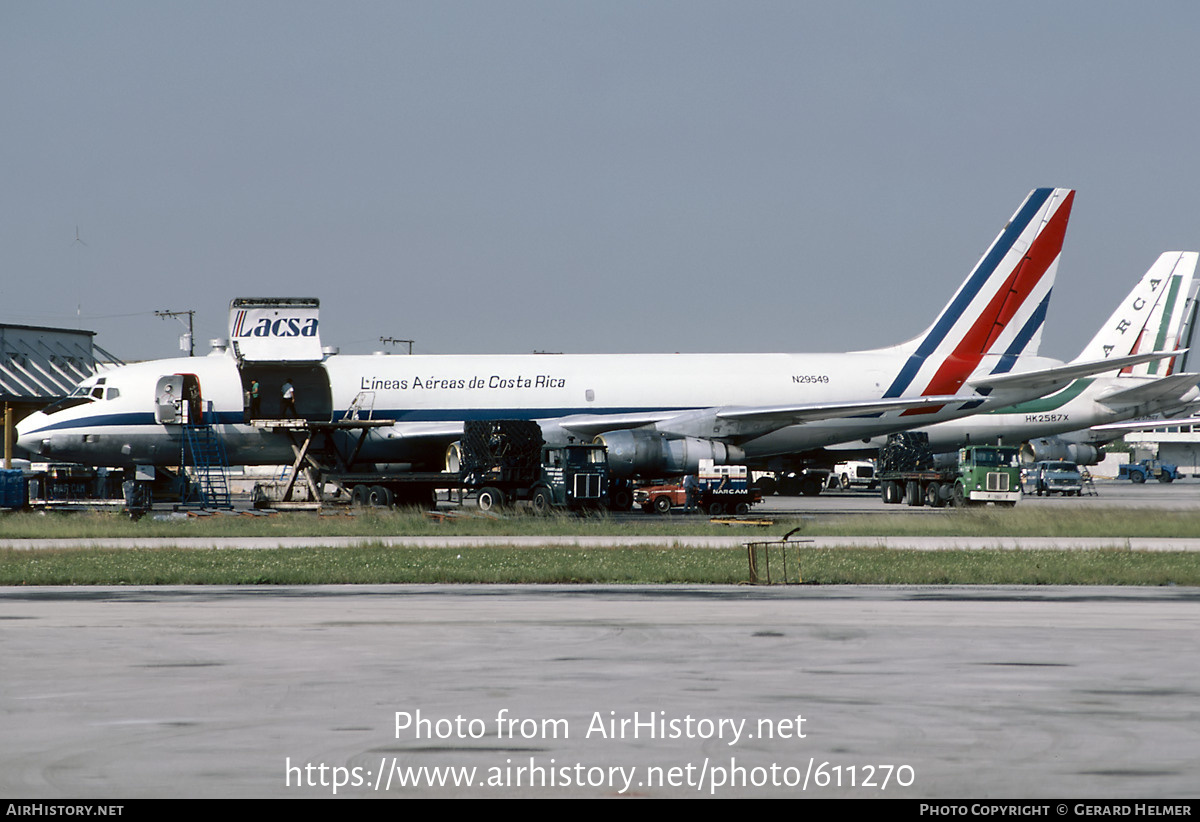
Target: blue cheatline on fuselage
{"type": "Point", "coordinates": [400, 416]}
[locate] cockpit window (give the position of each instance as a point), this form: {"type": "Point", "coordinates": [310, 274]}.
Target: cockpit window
{"type": "Point", "coordinates": [80, 395]}
{"type": "Point", "coordinates": [113, 393]}
{"type": "Point", "coordinates": [69, 402]}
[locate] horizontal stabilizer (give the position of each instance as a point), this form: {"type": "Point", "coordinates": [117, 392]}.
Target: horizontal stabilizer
{"type": "Point", "coordinates": [1051, 379]}
{"type": "Point", "coordinates": [1146, 425]}
{"type": "Point", "coordinates": [1166, 388]}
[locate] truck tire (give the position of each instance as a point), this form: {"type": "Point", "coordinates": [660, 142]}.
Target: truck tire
{"type": "Point", "coordinates": [542, 501]}
{"type": "Point", "coordinates": [381, 497]}
{"type": "Point", "coordinates": [913, 495]}
{"type": "Point", "coordinates": [742, 508]}
{"type": "Point", "coordinates": [890, 491]}
{"type": "Point", "coordinates": [810, 486]}
{"type": "Point", "coordinates": [620, 498]}
{"type": "Point", "coordinates": [1165, 477]}
{"type": "Point", "coordinates": [959, 496]}
{"type": "Point", "coordinates": [845, 482]}
{"type": "Point", "coordinates": [489, 499]}
{"type": "Point", "coordinates": [360, 496]}
{"type": "Point", "coordinates": [715, 509]}
{"type": "Point", "coordinates": [662, 505]}
{"type": "Point", "coordinates": [933, 497]}
{"type": "Point", "coordinates": [1137, 476]}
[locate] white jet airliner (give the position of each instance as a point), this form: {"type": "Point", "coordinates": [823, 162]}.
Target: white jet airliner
{"type": "Point", "coordinates": [658, 413]}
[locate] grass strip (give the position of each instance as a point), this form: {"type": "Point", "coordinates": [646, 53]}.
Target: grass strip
{"type": "Point", "coordinates": [384, 565]}
{"type": "Point", "coordinates": [983, 522]}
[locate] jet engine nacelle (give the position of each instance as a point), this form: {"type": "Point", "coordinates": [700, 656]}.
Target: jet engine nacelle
{"type": "Point", "coordinates": [649, 453]}
{"type": "Point", "coordinates": [1053, 448]}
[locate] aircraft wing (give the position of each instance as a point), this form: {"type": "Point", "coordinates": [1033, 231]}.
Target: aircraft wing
{"type": "Point", "coordinates": [735, 421]}
{"type": "Point", "coordinates": [1049, 380]}
{"type": "Point", "coordinates": [589, 425]}
{"type": "Point", "coordinates": [1166, 388]}
{"type": "Point", "coordinates": [784, 415]}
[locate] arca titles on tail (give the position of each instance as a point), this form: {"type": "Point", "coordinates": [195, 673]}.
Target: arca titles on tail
{"type": "Point", "coordinates": [659, 414]}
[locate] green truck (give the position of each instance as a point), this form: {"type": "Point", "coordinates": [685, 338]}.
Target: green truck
{"type": "Point", "coordinates": [909, 472]}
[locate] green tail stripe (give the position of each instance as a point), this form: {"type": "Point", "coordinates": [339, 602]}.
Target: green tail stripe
{"type": "Point", "coordinates": [1050, 403]}
{"type": "Point", "coordinates": [1161, 339]}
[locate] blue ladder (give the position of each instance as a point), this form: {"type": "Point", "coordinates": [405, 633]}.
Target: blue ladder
{"type": "Point", "coordinates": [204, 452]}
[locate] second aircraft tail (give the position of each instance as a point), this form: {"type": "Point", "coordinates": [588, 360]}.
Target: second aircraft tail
{"type": "Point", "coordinates": [1151, 318]}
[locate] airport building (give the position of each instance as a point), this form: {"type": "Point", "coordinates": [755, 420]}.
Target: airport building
{"type": "Point", "coordinates": [40, 365]}
{"type": "Point", "coordinates": [1176, 444]}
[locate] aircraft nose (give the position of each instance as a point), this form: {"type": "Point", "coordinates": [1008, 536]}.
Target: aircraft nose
{"type": "Point", "coordinates": [29, 437]}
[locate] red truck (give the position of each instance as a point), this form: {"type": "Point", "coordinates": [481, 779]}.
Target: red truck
{"type": "Point", "coordinates": [722, 489]}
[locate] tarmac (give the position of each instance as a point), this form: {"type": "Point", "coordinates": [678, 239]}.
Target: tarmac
{"type": "Point", "coordinates": [1014, 692]}
{"type": "Point", "coordinates": [1019, 692]}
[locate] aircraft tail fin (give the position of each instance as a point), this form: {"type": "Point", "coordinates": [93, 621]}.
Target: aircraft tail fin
{"type": "Point", "coordinates": [1153, 317]}
{"type": "Point", "coordinates": [1189, 323]}
{"type": "Point", "coordinates": [1000, 307]}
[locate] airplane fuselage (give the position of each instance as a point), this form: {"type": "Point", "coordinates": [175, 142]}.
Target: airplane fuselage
{"type": "Point", "coordinates": [428, 397]}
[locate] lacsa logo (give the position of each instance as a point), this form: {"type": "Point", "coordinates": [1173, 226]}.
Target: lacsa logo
{"type": "Point", "coordinates": [281, 327]}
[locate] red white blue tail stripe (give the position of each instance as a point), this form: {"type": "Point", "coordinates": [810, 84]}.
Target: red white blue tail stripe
{"type": "Point", "coordinates": [1000, 308]}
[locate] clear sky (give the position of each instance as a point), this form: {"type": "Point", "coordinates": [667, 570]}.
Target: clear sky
{"type": "Point", "coordinates": [607, 176]}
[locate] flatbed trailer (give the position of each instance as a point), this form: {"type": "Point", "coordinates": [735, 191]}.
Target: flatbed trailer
{"type": "Point", "coordinates": [384, 489]}
{"type": "Point", "coordinates": [976, 475]}
{"type": "Point", "coordinates": [502, 461]}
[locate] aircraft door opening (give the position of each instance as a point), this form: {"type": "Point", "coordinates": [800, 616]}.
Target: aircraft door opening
{"type": "Point", "coordinates": [308, 386]}
{"type": "Point", "coordinates": [178, 401]}
{"type": "Point", "coordinates": [168, 400]}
